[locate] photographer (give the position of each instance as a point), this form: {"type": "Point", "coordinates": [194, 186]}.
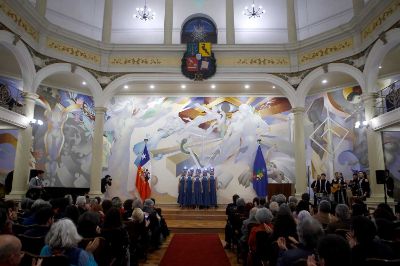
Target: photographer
{"type": "Point", "coordinates": [105, 182]}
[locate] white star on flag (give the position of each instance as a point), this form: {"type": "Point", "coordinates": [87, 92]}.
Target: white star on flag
{"type": "Point", "coordinates": [143, 156]}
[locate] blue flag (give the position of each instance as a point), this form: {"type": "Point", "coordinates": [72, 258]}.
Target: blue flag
{"type": "Point", "coordinates": [260, 178]}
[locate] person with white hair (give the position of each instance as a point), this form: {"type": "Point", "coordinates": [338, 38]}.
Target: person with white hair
{"type": "Point", "coordinates": [309, 232]}
{"type": "Point", "coordinates": [264, 218]}
{"type": "Point", "coordinates": [81, 204]}
{"type": "Point", "coordinates": [63, 238]}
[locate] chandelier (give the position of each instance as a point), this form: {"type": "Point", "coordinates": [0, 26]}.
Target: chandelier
{"type": "Point", "coordinates": [144, 13]}
{"type": "Point", "coordinates": [253, 12]}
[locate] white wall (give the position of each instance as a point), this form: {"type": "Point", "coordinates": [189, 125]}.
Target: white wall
{"type": "Point", "coordinates": [316, 16]}
{"type": "Point", "coordinates": [81, 16]}
{"type": "Point", "coordinates": [269, 28]}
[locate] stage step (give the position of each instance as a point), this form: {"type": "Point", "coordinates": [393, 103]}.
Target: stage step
{"type": "Point", "coordinates": [195, 221]}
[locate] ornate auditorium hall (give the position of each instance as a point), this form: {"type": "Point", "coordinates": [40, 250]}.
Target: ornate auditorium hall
{"type": "Point", "coordinates": [199, 132]}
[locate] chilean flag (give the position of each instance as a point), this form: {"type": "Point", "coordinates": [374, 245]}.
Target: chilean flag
{"type": "Point", "coordinates": [142, 182]}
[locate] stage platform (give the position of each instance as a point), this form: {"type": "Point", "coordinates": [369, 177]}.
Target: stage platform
{"type": "Point", "coordinates": [194, 220]}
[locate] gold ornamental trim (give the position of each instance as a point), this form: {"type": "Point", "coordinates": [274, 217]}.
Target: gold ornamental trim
{"type": "Point", "coordinates": [73, 51]}
{"type": "Point", "coordinates": [22, 23]}
{"type": "Point", "coordinates": [143, 61]}
{"type": "Point", "coordinates": [379, 20]}
{"type": "Point", "coordinates": [255, 61]}
{"type": "Point", "coordinates": [307, 57]}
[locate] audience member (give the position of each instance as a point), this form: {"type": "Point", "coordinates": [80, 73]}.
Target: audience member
{"type": "Point", "coordinates": [323, 215]}
{"type": "Point", "coordinates": [89, 224]}
{"type": "Point", "coordinates": [44, 218]}
{"type": "Point", "coordinates": [342, 213]}
{"type": "Point", "coordinates": [63, 238]}
{"type": "Point", "coordinates": [116, 236]}
{"type": "Point", "coordinates": [304, 203]}
{"type": "Point", "coordinates": [332, 250]}
{"type": "Point", "coordinates": [363, 242]}
{"type": "Point", "coordinates": [309, 231]}
{"type": "Point", "coordinates": [10, 250]}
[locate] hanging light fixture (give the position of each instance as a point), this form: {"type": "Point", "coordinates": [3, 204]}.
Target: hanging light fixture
{"type": "Point", "coordinates": [253, 12]}
{"type": "Point", "coordinates": [144, 13]}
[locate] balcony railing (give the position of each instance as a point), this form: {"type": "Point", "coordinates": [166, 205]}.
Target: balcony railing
{"type": "Point", "coordinates": [388, 98]}
{"type": "Point", "coordinates": [9, 100]}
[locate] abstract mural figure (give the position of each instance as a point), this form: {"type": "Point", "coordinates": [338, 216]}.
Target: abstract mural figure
{"type": "Point", "coordinates": [54, 136]}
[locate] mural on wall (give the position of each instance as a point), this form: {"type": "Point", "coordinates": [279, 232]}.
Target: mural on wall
{"type": "Point", "coordinates": [198, 132]}
{"type": "Point", "coordinates": [10, 98]}
{"type": "Point", "coordinates": [8, 144]}
{"type": "Point", "coordinates": [334, 143]}
{"type": "Point", "coordinates": [63, 144]}
{"type": "Point", "coordinates": [391, 150]}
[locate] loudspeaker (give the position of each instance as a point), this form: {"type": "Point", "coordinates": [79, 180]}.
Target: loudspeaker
{"type": "Point", "coordinates": [380, 176]}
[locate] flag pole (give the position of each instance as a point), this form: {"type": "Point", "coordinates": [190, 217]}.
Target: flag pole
{"type": "Point", "coordinates": [259, 141]}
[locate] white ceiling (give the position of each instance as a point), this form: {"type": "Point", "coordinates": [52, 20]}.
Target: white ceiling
{"type": "Point", "coordinates": [86, 18]}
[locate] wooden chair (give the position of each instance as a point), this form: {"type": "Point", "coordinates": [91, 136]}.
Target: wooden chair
{"type": "Point", "coordinates": [30, 259]}
{"type": "Point", "coordinates": [394, 245]}
{"type": "Point", "coordinates": [342, 232]}
{"type": "Point", "coordinates": [381, 262]}
{"type": "Point", "coordinates": [31, 244]}
{"type": "Point", "coordinates": [19, 228]}
{"type": "Point", "coordinates": [100, 254]}
{"type": "Point", "coordinates": [300, 262]}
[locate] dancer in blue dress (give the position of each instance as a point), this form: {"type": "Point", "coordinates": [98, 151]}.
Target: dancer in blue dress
{"type": "Point", "coordinates": [189, 189]}
{"type": "Point", "coordinates": [181, 188]}
{"type": "Point", "coordinates": [197, 199]}
{"type": "Point", "coordinates": [206, 190]}
{"type": "Point", "coordinates": [213, 189]}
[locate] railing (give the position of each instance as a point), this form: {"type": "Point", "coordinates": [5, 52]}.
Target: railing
{"type": "Point", "coordinates": [388, 98]}
{"type": "Point", "coordinates": [9, 101]}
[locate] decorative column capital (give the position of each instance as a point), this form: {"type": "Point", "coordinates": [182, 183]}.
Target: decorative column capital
{"type": "Point", "coordinates": [100, 110]}
{"type": "Point", "coordinates": [369, 96]}
{"type": "Point", "coordinates": [298, 110]}
{"type": "Point", "coordinates": [30, 95]}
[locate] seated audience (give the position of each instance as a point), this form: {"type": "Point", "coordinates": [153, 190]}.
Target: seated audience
{"type": "Point", "coordinates": [154, 223]}
{"type": "Point", "coordinates": [333, 250]}
{"type": "Point", "coordinates": [116, 236]}
{"type": "Point", "coordinates": [89, 224]}
{"type": "Point", "coordinates": [72, 213]}
{"type": "Point", "coordinates": [342, 213]}
{"type": "Point", "coordinates": [309, 232]}
{"type": "Point", "coordinates": [264, 218]}
{"type": "Point", "coordinates": [304, 203]}
{"type": "Point", "coordinates": [81, 204]}
{"type": "Point", "coordinates": [10, 250]}
{"type": "Point", "coordinates": [323, 216]}
{"type": "Point", "coordinates": [128, 209]}
{"type": "Point", "coordinates": [44, 218]}
{"type": "Point", "coordinates": [363, 242]}
{"type": "Point", "coordinates": [63, 238]}
{"type": "Point", "coordinates": [138, 234]}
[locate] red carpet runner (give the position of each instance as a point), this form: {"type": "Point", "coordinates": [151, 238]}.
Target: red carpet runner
{"type": "Point", "coordinates": [195, 249]}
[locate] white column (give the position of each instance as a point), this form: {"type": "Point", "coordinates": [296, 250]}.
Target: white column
{"type": "Point", "coordinates": [41, 6]}
{"type": "Point", "coordinates": [375, 150]}
{"type": "Point", "coordinates": [96, 169]}
{"type": "Point", "coordinates": [358, 5]}
{"type": "Point", "coordinates": [291, 22]}
{"type": "Point", "coordinates": [230, 22]}
{"type": "Point", "coordinates": [107, 21]}
{"type": "Point", "coordinates": [23, 150]}
{"type": "Point", "coordinates": [168, 21]}
{"type": "Point", "coordinates": [299, 151]}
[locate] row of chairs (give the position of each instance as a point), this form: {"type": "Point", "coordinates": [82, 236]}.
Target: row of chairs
{"type": "Point", "coordinates": [368, 262]}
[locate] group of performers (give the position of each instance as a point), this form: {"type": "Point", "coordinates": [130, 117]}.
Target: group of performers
{"type": "Point", "coordinates": [197, 189]}
{"type": "Point", "coordinates": [358, 187]}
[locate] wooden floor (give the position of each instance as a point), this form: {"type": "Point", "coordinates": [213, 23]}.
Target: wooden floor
{"type": "Point", "coordinates": [154, 258]}
{"type": "Point", "coordinates": [191, 221]}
